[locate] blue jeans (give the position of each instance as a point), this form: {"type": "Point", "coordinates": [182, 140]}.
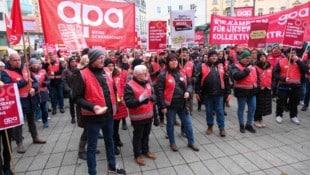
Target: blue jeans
{"type": "Point", "coordinates": [251, 102]}
{"type": "Point", "coordinates": [186, 121]}
{"type": "Point", "coordinates": [93, 129]}
{"type": "Point", "coordinates": [215, 103]}
{"type": "Point", "coordinates": [57, 95]}
{"type": "Point", "coordinates": [307, 96]}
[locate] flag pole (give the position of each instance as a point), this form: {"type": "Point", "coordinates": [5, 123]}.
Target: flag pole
{"type": "Point", "coordinates": [10, 150]}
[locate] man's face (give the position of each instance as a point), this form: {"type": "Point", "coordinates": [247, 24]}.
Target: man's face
{"type": "Point", "coordinates": [141, 76]}
{"type": "Point", "coordinates": [15, 61]}
{"type": "Point", "coordinates": [99, 62]}
{"type": "Point", "coordinates": [184, 54]}
{"type": "Point", "coordinates": [213, 58]}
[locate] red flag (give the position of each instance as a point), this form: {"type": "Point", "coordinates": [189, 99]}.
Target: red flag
{"type": "Point", "coordinates": [8, 26]}
{"type": "Point", "coordinates": [16, 26]}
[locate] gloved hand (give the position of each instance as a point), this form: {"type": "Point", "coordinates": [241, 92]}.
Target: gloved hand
{"type": "Point", "coordinates": [145, 101]}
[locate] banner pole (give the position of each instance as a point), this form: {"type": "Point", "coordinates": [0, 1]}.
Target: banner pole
{"type": "Point", "coordinates": [26, 63]}
{"type": "Point", "coordinates": [10, 150]}
{"type": "Point", "coordinates": [289, 62]}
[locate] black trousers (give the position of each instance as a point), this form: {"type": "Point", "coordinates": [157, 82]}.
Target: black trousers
{"type": "Point", "coordinates": [116, 137]}
{"type": "Point", "coordinates": [18, 130]}
{"type": "Point", "coordinates": [140, 140]}
{"type": "Point", "coordinates": [4, 148]}
{"type": "Point", "coordinates": [288, 98]}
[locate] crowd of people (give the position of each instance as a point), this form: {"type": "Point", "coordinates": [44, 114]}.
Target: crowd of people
{"type": "Point", "coordinates": [151, 89]}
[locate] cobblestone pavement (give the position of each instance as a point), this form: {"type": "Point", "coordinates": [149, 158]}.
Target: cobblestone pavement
{"type": "Point", "coordinates": [277, 149]}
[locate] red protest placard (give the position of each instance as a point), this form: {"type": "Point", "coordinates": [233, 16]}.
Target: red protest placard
{"type": "Point", "coordinates": [294, 33]}
{"type": "Point", "coordinates": [11, 113]}
{"type": "Point", "coordinates": [199, 37]}
{"type": "Point", "coordinates": [157, 35]}
{"type": "Point", "coordinates": [258, 35]}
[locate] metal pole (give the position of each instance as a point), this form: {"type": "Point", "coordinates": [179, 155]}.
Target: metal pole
{"type": "Point", "coordinates": [254, 3]}
{"type": "Point", "coordinates": [232, 8]}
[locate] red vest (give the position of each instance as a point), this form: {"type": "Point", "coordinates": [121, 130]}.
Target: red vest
{"type": "Point", "coordinates": [249, 82]}
{"type": "Point", "coordinates": [188, 68]}
{"type": "Point", "coordinates": [143, 111]}
{"type": "Point", "coordinates": [265, 77]}
{"type": "Point", "coordinates": [40, 76]}
{"type": "Point", "coordinates": [205, 70]}
{"type": "Point", "coordinates": [156, 68]}
{"type": "Point", "coordinates": [52, 68]}
{"type": "Point", "coordinates": [273, 60]}
{"type": "Point", "coordinates": [93, 91]}
{"type": "Point", "coordinates": [15, 76]}
{"type": "Point", "coordinates": [290, 71]}
{"type": "Point", "coordinates": [170, 85]}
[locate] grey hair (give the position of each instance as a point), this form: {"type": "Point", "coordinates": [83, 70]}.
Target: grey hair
{"type": "Point", "coordinates": [139, 69]}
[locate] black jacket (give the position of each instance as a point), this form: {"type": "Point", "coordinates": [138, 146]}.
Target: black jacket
{"type": "Point", "coordinates": [237, 74]}
{"type": "Point", "coordinates": [78, 88]}
{"type": "Point", "coordinates": [212, 83]}
{"type": "Point", "coordinates": [178, 100]}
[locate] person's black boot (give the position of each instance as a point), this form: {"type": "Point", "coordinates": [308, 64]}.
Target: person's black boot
{"type": "Point", "coordinates": [124, 124]}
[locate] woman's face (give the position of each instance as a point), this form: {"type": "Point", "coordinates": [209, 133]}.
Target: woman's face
{"type": "Point", "coordinates": [125, 59]}
{"type": "Point", "coordinates": [173, 63]}
{"type": "Point", "coordinates": [110, 67]}
{"type": "Point", "coordinates": [263, 58]}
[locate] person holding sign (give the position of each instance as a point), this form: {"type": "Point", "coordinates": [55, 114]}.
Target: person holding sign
{"type": "Point", "coordinates": [94, 91]}
{"type": "Point", "coordinates": [288, 73]}
{"type": "Point", "coordinates": [5, 158]}
{"type": "Point", "coordinates": [15, 72]}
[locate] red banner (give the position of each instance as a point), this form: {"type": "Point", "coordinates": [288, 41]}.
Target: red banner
{"type": "Point", "coordinates": [108, 24]}
{"type": "Point", "coordinates": [11, 113]}
{"type": "Point", "coordinates": [258, 35]}
{"type": "Point", "coordinates": [157, 35]}
{"type": "Point", "coordinates": [244, 11]}
{"type": "Point", "coordinates": [232, 30]}
{"type": "Point", "coordinates": [294, 32]}
{"type": "Point", "coordinates": [199, 37]}
{"type": "Point", "coordinates": [14, 26]}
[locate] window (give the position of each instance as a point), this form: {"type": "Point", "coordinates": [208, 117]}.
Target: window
{"type": "Point", "coordinates": [283, 8]}
{"type": "Point", "coordinates": [193, 7]}
{"type": "Point", "coordinates": [1, 16]}
{"type": "Point", "coordinates": [271, 10]}
{"type": "Point", "coordinates": [169, 9]}
{"type": "Point", "coordinates": [260, 12]}
{"type": "Point", "coordinates": [214, 2]}
{"type": "Point", "coordinates": [158, 10]}
{"type": "Point", "coordinates": [180, 7]}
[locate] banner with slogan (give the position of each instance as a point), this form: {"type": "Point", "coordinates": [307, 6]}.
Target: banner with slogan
{"type": "Point", "coordinates": [182, 28]}
{"type": "Point", "coordinates": [157, 39]}
{"type": "Point", "coordinates": [244, 11]}
{"type": "Point", "coordinates": [199, 37]}
{"type": "Point", "coordinates": [294, 33]}
{"type": "Point", "coordinates": [11, 113]}
{"type": "Point", "coordinates": [258, 35]}
{"type": "Point", "coordinates": [106, 24]}
{"type": "Point", "coordinates": [232, 30]}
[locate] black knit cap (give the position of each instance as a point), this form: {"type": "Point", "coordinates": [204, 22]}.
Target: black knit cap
{"type": "Point", "coordinates": [94, 54]}
{"type": "Point", "coordinates": [135, 62]}
{"type": "Point", "coordinates": [108, 61]}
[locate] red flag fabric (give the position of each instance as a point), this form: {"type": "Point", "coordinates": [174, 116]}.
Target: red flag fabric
{"type": "Point", "coordinates": [294, 32]}
{"type": "Point", "coordinates": [16, 26]}
{"type": "Point", "coordinates": [233, 30]}
{"type": "Point", "coordinates": [8, 26]}
{"type": "Point", "coordinates": [103, 23]}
